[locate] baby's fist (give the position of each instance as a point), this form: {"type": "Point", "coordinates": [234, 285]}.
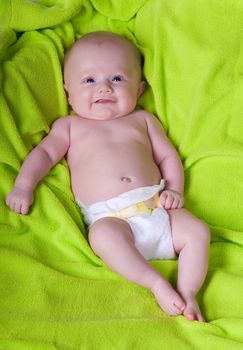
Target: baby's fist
{"type": "Point", "coordinates": [20, 199]}
{"type": "Point", "coordinates": [170, 199]}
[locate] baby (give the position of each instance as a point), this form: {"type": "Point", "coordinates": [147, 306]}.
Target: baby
{"type": "Point", "coordinates": [125, 174]}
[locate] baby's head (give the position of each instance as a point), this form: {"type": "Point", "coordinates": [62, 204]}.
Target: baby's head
{"type": "Point", "coordinates": [103, 76]}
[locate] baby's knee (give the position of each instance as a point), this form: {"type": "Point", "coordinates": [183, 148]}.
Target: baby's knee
{"type": "Point", "coordinates": [105, 232]}
{"type": "Point", "coordinates": [98, 234]}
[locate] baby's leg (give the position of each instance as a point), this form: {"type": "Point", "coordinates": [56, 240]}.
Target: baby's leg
{"type": "Point", "coordinates": [112, 240]}
{"type": "Point", "coordinates": [191, 241]}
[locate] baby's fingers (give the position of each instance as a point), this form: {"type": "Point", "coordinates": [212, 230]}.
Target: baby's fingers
{"type": "Point", "coordinates": [166, 200]}
{"type": "Point", "coordinates": [181, 202]}
{"type": "Point", "coordinates": [17, 205]}
{"type": "Point", "coordinates": [171, 200]}
{"type": "Point", "coordinates": [178, 202]}
{"type": "Point", "coordinates": [10, 201]}
{"type": "Point", "coordinates": [163, 199]}
{"type": "Point", "coordinates": [175, 204]}
{"type": "Point", "coordinates": [24, 208]}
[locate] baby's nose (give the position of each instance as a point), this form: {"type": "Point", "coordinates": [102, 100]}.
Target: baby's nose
{"type": "Point", "coordinates": [105, 87]}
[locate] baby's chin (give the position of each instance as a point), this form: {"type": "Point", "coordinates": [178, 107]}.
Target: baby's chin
{"type": "Point", "coordinates": [104, 112]}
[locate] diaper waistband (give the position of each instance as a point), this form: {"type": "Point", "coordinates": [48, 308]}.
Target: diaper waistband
{"type": "Point", "coordinates": [121, 203]}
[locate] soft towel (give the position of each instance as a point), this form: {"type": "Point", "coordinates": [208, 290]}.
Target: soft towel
{"type": "Point", "coordinates": [55, 292]}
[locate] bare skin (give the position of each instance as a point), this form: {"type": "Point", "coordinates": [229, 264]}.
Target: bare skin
{"type": "Point", "coordinates": [111, 148]}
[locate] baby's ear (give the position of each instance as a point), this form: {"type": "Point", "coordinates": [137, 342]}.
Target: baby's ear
{"type": "Point", "coordinates": [141, 87]}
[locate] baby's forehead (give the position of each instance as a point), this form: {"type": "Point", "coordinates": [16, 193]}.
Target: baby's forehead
{"type": "Point", "coordinates": [102, 44]}
{"type": "Point", "coordinates": [105, 41]}
{"type": "Point", "coordinates": [120, 50]}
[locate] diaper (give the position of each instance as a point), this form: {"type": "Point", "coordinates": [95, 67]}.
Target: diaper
{"type": "Point", "coordinates": [150, 224]}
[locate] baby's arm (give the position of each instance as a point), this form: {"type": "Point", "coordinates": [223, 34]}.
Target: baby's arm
{"type": "Point", "coordinates": [37, 164]}
{"type": "Point", "coordinates": [169, 163]}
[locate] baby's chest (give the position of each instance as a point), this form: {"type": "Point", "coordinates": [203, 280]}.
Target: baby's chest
{"type": "Point", "coordinates": [104, 133]}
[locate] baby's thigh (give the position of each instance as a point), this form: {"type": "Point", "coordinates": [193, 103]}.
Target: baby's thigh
{"type": "Point", "coordinates": [106, 232]}
{"type": "Point", "coordinates": [187, 228]}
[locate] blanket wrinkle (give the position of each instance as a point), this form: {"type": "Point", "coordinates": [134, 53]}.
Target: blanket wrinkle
{"type": "Point", "coordinates": [55, 292]}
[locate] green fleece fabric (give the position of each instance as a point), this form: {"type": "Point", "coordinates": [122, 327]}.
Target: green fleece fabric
{"type": "Point", "coordinates": [54, 292]}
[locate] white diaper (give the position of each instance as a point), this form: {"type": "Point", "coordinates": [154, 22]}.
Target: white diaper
{"type": "Point", "coordinates": [150, 226]}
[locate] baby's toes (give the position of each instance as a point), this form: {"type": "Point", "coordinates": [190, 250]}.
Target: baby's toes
{"type": "Point", "coordinates": [193, 314]}
{"type": "Point", "coordinates": [24, 208]}
{"type": "Point", "coordinates": [177, 307]}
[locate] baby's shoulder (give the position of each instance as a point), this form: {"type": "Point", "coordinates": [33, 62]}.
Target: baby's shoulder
{"type": "Point", "coordinates": [64, 122]}
{"type": "Point", "coordinates": [153, 123]}
{"type": "Point", "coordinates": [61, 121]}
{"type": "Point", "coordinates": [61, 126]}
{"type": "Point", "coordinates": [147, 116]}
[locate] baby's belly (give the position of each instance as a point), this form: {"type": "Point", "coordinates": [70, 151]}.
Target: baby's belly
{"type": "Point", "coordinates": [104, 179]}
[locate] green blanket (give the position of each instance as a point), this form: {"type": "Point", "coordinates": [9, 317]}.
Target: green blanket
{"type": "Point", "coordinates": [54, 292]}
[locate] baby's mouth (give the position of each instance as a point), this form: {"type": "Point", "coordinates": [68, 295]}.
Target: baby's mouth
{"type": "Point", "coordinates": [104, 101]}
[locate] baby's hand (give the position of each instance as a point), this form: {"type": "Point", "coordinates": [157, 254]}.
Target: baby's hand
{"type": "Point", "coordinates": [20, 199]}
{"type": "Point", "coordinates": [170, 199]}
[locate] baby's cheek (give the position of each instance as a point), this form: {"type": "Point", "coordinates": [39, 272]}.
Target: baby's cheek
{"type": "Point", "coordinates": [130, 101]}
{"type": "Point", "coordinates": [77, 103]}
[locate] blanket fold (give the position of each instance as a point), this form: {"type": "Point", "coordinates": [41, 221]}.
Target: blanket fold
{"type": "Point", "coordinates": [55, 292]}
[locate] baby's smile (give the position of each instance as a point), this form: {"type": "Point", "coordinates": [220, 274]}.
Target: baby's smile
{"type": "Point", "coordinates": [104, 101]}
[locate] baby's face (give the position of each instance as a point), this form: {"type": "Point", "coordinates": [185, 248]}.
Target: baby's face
{"type": "Point", "coordinates": [103, 79]}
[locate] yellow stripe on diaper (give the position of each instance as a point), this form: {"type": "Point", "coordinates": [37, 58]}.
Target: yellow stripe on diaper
{"type": "Point", "coordinates": [140, 208]}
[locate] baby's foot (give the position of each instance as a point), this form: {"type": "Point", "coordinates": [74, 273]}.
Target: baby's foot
{"type": "Point", "coordinates": [168, 299]}
{"type": "Point", "coordinates": [192, 311]}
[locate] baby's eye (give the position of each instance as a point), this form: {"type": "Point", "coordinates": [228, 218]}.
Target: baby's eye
{"type": "Point", "coordinates": [89, 80]}
{"type": "Point", "coordinates": [117, 78]}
